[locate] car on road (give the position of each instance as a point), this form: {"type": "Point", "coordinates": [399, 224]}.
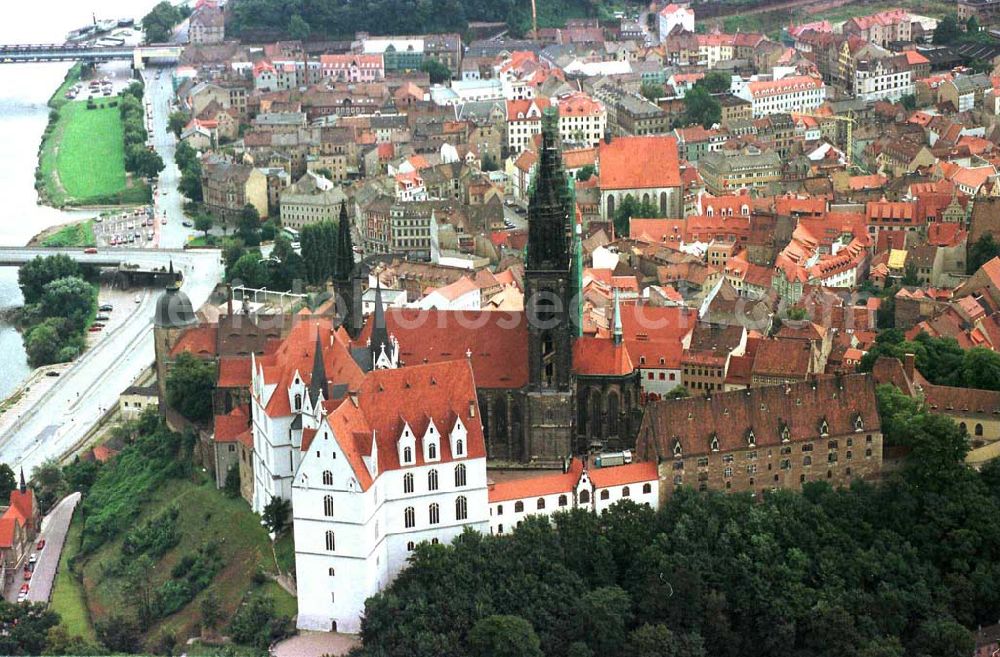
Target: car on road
{"type": "Point", "coordinates": [164, 221]}
{"type": "Point", "coordinates": [41, 545]}
{"type": "Point", "coordinates": [187, 224]}
{"type": "Point", "coordinates": [138, 298]}
{"type": "Point", "coordinates": [90, 250]}
{"type": "Point", "coordinates": [106, 308]}
{"type": "Point", "coordinates": [52, 373]}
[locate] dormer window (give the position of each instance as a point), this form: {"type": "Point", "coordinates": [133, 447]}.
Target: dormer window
{"type": "Point", "coordinates": [714, 443]}
{"type": "Point", "coordinates": [859, 424]}
{"type": "Point", "coordinates": [751, 438]}
{"type": "Point", "coordinates": [677, 448]}
{"type": "Point", "coordinates": [785, 434]}
{"type": "Point", "coordinates": [824, 428]}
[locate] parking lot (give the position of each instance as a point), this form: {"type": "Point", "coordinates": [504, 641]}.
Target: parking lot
{"type": "Point", "coordinates": [134, 228]}
{"type": "Point", "coordinates": [111, 80]}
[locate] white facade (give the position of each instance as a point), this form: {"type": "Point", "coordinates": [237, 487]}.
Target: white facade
{"type": "Point", "coordinates": [351, 542]}
{"type": "Point", "coordinates": [793, 94]}
{"type": "Point", "coordinates": [882, 82]}
{"type": "Point", "coordinates": [275, 445]}
{"type": "Point", "coordinates": [594, 489]}
{"type": "Point", "coordinates": [673, 15]}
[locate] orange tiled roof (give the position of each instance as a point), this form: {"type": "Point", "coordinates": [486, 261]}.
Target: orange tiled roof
{"type": "Point", "coordinates": [600, 357]}
{"type": "Point", "coordinates": [530, 487]}
{"type": "Point", "coordinates": [622, 169]}
{"type": "Point", "coordinates": [620, 475]}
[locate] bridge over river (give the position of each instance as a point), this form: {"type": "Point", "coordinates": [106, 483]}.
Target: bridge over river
{"type": "Point", "coordinates": [53, 52]}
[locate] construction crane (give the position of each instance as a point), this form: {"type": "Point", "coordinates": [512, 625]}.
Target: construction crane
{"type": "Point", "coordinates": [849, 120]}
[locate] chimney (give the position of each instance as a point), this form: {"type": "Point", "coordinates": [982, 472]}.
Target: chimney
{"type": "Point", "coordinates": [607, 136]}
{"type": "Point", "coordinates": [909, 360]}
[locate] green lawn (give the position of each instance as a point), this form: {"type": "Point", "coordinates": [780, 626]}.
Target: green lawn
{"type": "Point", "coordinates": [91, 156]}
{"type": "Point", "coordinates": [78, 234]}
{"type": "Point", "coordinates": [67, 595]}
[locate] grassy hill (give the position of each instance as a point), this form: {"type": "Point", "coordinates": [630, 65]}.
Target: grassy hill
{"type": "Point", "coordinates": [154, 541]}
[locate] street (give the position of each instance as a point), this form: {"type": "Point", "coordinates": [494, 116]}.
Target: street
{"type": "Point", "coordinates": [53, 532]}
{"type": "Point", "coordinates": [56, 422]}
{"type": "Point", "coordinates": [168, 201]}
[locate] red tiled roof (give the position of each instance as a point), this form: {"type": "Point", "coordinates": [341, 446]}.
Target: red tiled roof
{"type": "Point", "coordinates": [103, 453]}
{"type": "Point", "coordinates": [295, 355]}
{"type": "Point", "coordinates": [197, 340]}
{"type": "Point", "coordinates": [234, 372]}
{"type": "Point", "coordinates": [600, 357]}
{"type": "Point", "coordinates": [498, 341]}
{"type": "Point", "coordinates": [620, 475]}
{"type": "Point", "coordinates": [229, 427]}
{"type": "Point", "coordinates": [795, 83]}
{"type": "Point", "coordinates": [782, 358]}
{"type": "Point", "coordinates": [390, 400]}
{"type": "Point", "coordinates": [8, 526]}
{"type": "Point", "coordinates": [639, 163]}
{"type": "Point", "coordinates": [731, 416]}
{"type": "Point", "coordinates": [530, 487]}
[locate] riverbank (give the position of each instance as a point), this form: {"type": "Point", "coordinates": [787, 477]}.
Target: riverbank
{"type": "Point", "coordinates": [81, 160]}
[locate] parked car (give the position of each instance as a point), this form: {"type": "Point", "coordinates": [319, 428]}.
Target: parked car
{"type": "Point", "coordinates": [164, 221]}
{"type": "Point", "coordinates": [106, 308]}
{"type": "Point", "coordinates": [94, 329]}
{"type": "Point", "coordinates": [102, 318]}
{"type": "Point", "coordinates": [98, 325]}
{"type": "Point", "coordinates": [33, 558]}
{"type": "Point", "coordinates": [187, 224]}
{"type": "Point", "coordinates": [24, 589]}
{"type": "Point", "coordinates": [41, 545]}
{"type": "Point", "coordinates": [27, 574]}
{"type": "Point", "coordinates": [52, 373]}
{"type": "Point", "coordinates": [90, 250]}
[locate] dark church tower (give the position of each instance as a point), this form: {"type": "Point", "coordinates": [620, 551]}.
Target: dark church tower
{"type": "Point", "coordinates": [346, 284]}
{"type": "Point", "coordinates": [549, 305]}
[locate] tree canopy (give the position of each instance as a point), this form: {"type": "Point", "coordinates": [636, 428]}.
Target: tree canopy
{"type": "Point", "coordinates": [904, 567]}
{"type": "Point", "coordinates": [701, 108]}
{"type": "Point", "coordinates": [982, 251]}
{"type": "Point", "coordinates": [190, 385]}
{"type": "Point", "coordinates": [630, 207]}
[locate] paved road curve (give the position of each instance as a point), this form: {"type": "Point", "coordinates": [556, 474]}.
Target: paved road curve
{"type": "Point", "coordinates": [54, 528]}
{"type": "Point", "coordinates": [56, 422]}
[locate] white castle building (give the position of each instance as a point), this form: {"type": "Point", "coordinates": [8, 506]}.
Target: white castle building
{"type": "Point", "coordinates": [377, 458]}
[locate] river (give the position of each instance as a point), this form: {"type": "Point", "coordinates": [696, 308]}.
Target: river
{"type": "Point", "coordinates": [24, 91]}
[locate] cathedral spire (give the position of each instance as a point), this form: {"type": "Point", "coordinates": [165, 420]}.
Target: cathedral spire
{"type": "Point", "coordinates": [23, 486]}
{"type": "Point", "coordinates": [318, 383]}
{"type": "Point", "coordinates": [549, 205]}
{"type": "Point", "coordinates": [344, 259]}
{"type": "Point", "coordinates": [380, 334]}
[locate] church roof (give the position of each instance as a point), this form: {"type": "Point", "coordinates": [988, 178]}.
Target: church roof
{"type": "Point", "coordinates": [600, 357]}
{"type": "Point", "coordinates": [411, 396]}
{"type": "Point", "coordinates": [498, 341]}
